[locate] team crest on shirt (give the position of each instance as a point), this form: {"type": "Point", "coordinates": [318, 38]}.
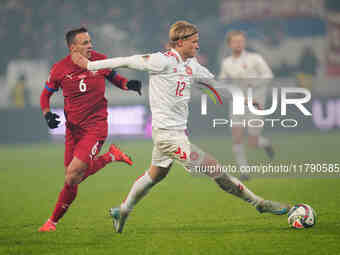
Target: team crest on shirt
{"type": "Point", "coordinates": [188, 70]}
{"type": "Point", "coordinates": [69, 76]}
{"type": "Point", "coordinates": [146, 57]}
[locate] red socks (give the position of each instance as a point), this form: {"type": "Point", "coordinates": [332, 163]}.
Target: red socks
{"type": "Point", "coordinates": [69, 193]}
{"type": "Point", "coordinates": [65, 199]}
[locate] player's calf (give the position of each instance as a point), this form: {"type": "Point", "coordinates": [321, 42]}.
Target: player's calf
{"type": "Point", "coordinates": [233, 186]}
{"type": "Point", "coordinates": [265, 143]}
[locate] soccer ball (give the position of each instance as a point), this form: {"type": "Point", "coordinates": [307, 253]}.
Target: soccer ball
{"type": "Point", "coordinates": [301, 216]}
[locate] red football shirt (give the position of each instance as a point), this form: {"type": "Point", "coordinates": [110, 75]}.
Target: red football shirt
{"type": "Point", "coordinates": [83, 91]}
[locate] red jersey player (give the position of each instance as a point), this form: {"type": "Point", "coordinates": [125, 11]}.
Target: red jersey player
{"type": "Point", "coordinates": [85, 110]}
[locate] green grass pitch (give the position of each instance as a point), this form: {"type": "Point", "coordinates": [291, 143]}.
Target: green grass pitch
{"type": "Point", "coordinates": [181, 215]}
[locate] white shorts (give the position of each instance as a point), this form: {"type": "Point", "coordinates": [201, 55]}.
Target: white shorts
{"type": "Point", "coordinates": [170, 145]}
{"type": "Point", "coordinates": [248, 120]}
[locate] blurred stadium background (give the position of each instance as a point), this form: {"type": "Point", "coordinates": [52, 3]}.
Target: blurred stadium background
{"type": "Point", "coordinates": [299, 39]}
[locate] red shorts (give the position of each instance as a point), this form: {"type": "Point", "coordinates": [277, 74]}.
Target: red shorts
{"type": "Point", "coordinates": [83, 144]}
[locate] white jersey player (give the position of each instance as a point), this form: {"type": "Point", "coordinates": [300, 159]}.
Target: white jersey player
{"type": "Point", "coordinates": [170, 81]}
{"type": "Point", "coordinates": [246, 69]}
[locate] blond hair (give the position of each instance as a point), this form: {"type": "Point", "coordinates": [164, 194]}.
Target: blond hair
{"type": "Point", "coordinates": [181, 30]}
{"type": "Point", "coordinates": [233, 33]}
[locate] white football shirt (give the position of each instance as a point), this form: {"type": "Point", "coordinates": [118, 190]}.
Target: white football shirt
{"type": "Point", "coordinates": [170, 81]}
{"type": "Point", "coordinates": [249, 70]}
{"type": "Point", "coordinates": [246, 66]}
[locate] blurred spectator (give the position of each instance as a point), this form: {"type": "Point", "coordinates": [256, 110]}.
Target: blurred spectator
{"type": "Point", "coordinates": [31, 29]}
{"type": "Point", "coordinates": [308, 61]}
{"type": "Point", "coordinates": [20, 94]}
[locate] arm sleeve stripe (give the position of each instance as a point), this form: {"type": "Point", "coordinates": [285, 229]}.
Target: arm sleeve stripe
{"type": "Point", "coordinates": [50, 89]}
{"type": "Point", "coordinates": [111, 75]}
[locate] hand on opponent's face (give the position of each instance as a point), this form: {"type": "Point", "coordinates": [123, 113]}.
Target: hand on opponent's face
{"type": "Point", "coordinates": [79, 60]}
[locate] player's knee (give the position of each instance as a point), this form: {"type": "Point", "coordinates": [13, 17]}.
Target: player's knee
{"type": "Point", "coordinates": [159, 173]}
{"type": "Point", "coordinates": [237, 139]}
{"type": "Point", "coordinates": [160, 177]}
{"type": "Point", "coordinates": [73, 175]}
{"type": "Point", "coordinates": [71, 180]}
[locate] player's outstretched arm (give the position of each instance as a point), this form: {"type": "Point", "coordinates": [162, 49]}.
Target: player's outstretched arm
{"type": "Point", "coordinates": [151, 62]}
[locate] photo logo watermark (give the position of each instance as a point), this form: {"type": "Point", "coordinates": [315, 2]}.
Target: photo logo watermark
{"type": "Point", "coordinates": [247, 99]}
{"type": "Point", "coordinates": [213, 95]}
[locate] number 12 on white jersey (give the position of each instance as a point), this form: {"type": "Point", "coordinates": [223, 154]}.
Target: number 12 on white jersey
{"type": "Point", "coordinates": [180, 87]}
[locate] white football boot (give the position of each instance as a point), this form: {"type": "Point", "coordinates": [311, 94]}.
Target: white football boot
{"type": "Point", "coordinates": [268, 206]}
{"type": "Point", "coordinates": [118, 218]}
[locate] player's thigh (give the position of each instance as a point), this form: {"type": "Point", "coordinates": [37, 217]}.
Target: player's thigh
{"type": "Point", "coordinates": [87, 148]}
{"type": "Point", "coordinates": [253, 140]}
{"type": "Point", "coordinates": [160, 159]}
{"type": "Point", "coordinates": [171, 145]}
{"type": "Point", "coordinates": [70, 144]}
{"type": "Point", "coordinates": [255, 127]}
{"type": "Point", "coordinates": [75, 170]}
{"type": "Point", "coordinates": [237, 132]}
{"type": "Point", "coordinates": [175, 145]}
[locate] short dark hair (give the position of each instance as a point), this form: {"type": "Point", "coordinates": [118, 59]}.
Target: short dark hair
{"type": "Point", "coordinates": [70, 35]}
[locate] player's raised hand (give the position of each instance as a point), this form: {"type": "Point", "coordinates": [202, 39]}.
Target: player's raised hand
{"type": "Point", "coordinates": [79, 60]}
{"type": "Point", "coordinates": [51, 119]}
{"type": "Point", "coordinates": [135, 85]}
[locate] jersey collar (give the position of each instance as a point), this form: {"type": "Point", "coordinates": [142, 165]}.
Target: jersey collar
{"type": "Point", "coordinates": [178, 55]}
{"type": "Point", "coordinates": [243, 54]}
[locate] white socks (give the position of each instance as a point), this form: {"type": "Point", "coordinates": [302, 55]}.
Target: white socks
{"type": "Point", "coordinates": [240, 154]}
{"type": "Point", "coordinates": [233, 186]}
{"type": "Point", "coordinates": [139, 189]}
